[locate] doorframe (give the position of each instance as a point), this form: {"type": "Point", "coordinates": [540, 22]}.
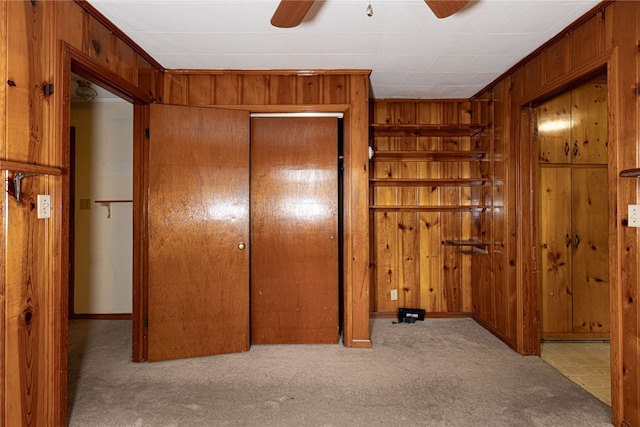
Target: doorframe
{"type": "Point", "coordinates": [339, 117]}
{"type": "Point", "coordinates": [74, 60]}
{"type": "Point", "coordinates": [528, 283]}
{"type": "Point", "coordinates": [536, 192]}
{"type": "Point", "coordinates": [354, 332]}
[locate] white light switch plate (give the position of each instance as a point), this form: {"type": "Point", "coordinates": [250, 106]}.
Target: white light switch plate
{"type": "Point", "coordinates": [44, 206]}
{"type": "Point", "coordinates": [394, 294]}
{"type": "Point", "coordinates": [634, 215]}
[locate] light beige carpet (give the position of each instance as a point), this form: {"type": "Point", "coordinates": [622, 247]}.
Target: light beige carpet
{"type": "Point", "coordinates": [440, 372]}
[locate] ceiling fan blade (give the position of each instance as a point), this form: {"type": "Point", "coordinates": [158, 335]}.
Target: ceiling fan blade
{"type": "Point", "coordinates": [290, 13]}
{"type": "Point", "coordinates": [444, 8]}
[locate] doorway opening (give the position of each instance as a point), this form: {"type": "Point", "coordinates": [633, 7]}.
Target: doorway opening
{"type": "Point", "coordinates": [100, 220]}
{"type": "Point", "coordinates": [101, 204]}
{"type": "Point", "coordinates": [571, 146]}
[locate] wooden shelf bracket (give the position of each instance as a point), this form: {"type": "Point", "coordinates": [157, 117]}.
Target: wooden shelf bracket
{"type": "Point", "coordinates": [25, 170]}
{"type": "Point", "coordinates": [469, 247]}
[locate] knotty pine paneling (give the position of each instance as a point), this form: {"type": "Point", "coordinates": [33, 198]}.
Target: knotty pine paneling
{"type": "Point", "coordinates": [309, 90]}
{"type": "Point", "coordinates": [282, 89]}
{"type": "Point", "coordinates": [256, 88]}
{"type": "Point", "coordinates": [588, 40]}
{"type": "Point", "coordinates": [110, 51]}
{"type": "Point", "coordinates": [625, 256]}
{"type": "Point", "coordinates": [408, 253]}
{"type": "Point", "coordinates": [228, 89]}
{"type": "Point", "coordinates": [177, 90]}
{"type": "Point", "coordinates": [69, 12]}
{"type": "Point", "coordinates": [557, 58]}
{"type": "Point", "coordinates": [33, 288]}
{"type": "Point", "coordinates": [149, 78]}
{"type": "Point", "coordinates": [529, 78]}
{"type": "Point", "coordinates": [200, 89]}
{"type": "Point", "coordinates": [27, 286]}
{"type": "Point", "coordinates": [605, 39]}
{"type": "Point", "coordinates": [335, 89]}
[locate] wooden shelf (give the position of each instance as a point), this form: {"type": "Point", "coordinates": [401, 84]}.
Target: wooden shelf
{"type": "Point", "coordinates": [426, 182]}
{"type": "Point", "coordinates": [412, 130]}
{"type": "Point", "coordinates": [416, 208]}
{"type": "Point", "coordinates": [29, 168]}
{"type": "Point", "coordinates": [469, 247]}
{"type": "Point", "coordinates": [433, 156]}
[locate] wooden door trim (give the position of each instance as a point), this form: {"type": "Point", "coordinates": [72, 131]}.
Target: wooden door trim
{"type": "Point", "coordinates": [74, 60]}
{"type": "Point", "coordinates": [355, 315]}
{"type": "Point", "coordinates": [526, 183]}
{"type": "Point", "coordinates": [529, 339]}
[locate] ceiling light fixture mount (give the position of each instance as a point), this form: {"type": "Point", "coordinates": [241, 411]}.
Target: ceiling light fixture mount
{"type": "Point", "coordinates": [85, 91]}
{"type": "Point", "coordinates": [369, 10]}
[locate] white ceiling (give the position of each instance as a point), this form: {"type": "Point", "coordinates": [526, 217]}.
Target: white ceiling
{"type": "Point", "coordinates": [412, 54]}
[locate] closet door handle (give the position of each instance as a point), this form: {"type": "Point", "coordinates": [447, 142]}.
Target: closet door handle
{"type": "Point", "coordinates": [566, 148]}
{"type": "Point", "coordinates": [577, 241]}
{"type": "Point", "coordinates": [241, 246]}
{"type": "Point", "coordinates": [576, 150]}
{"type": "Point", "coordinates": [568, 240]}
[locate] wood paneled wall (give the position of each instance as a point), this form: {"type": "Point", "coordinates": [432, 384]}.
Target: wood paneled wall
{"type": "Point", "coordinates": [292, 91]}
{"type": "Point", "coordinates": [605, 39]}
{"type": "Point", "coordinates": [262, 88]}
{"type": "Point", "coordinates": [504, 297]}
{"type": "Point", "coordinates": [410, 225]}
{"type": "Point", "coordinates": [35, 121]}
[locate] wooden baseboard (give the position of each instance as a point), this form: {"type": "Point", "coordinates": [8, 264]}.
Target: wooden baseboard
{"type": "Point", "coordinates": [572, 336]}
{"type": "Point", "coordinates": [494, 331]}
{"type": "Point", "coordinates": [392, 315]}
{"type": "Point", "coordinates": [114, 316]}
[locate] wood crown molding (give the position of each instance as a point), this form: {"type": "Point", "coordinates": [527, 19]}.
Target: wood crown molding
{"type": "Point", "coordinates": [297, 73]}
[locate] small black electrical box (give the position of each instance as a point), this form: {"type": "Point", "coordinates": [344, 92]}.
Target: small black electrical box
{"type": "Point", "coordinates": [410, 315]}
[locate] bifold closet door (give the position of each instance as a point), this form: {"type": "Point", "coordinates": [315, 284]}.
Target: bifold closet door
{"type": "Point", "coordinates": [294, 230]}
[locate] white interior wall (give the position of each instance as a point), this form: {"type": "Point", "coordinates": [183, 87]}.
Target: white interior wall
{"type": "Point", "coordinates": [104, 171]}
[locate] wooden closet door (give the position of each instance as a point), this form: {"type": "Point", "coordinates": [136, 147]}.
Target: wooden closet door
{"type": "Point", "coordinates": [554, 130]}
{"type": "Point", "coordinates": [555, 250]}
{"type": "Point", "coordinates": [198, 212]}
{"type": "Point", "coordinates": [294, 230]}
{"type": "Point", "coordinates": [590, 263]}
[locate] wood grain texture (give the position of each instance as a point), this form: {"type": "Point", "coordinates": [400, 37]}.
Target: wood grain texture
{"type": "Point", "coordinates": [590, 275]}
{"type": "Point", "coordinates": [626, 256]}
{"type": "Point", "coordinates": [294, 231]}
{"type": "Point", "coordinates": [29, 327]}
{"type": "Point", "coordinates": [3, 213]}
{"type": "Point", "coordinates": [421, 199]}
{"type": "Point", "coordinates": [198, 217]}
{"type": "Point", "coordinates": [556, 237]}
{"type": "Point", "coordinates": [599, 40]}
{"type": "Point", "coordinates": [34, 285]}
{"type": "Point", "coordinates": [557, 58]}
{"type": "Point", "coordinates": [293, 91]}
